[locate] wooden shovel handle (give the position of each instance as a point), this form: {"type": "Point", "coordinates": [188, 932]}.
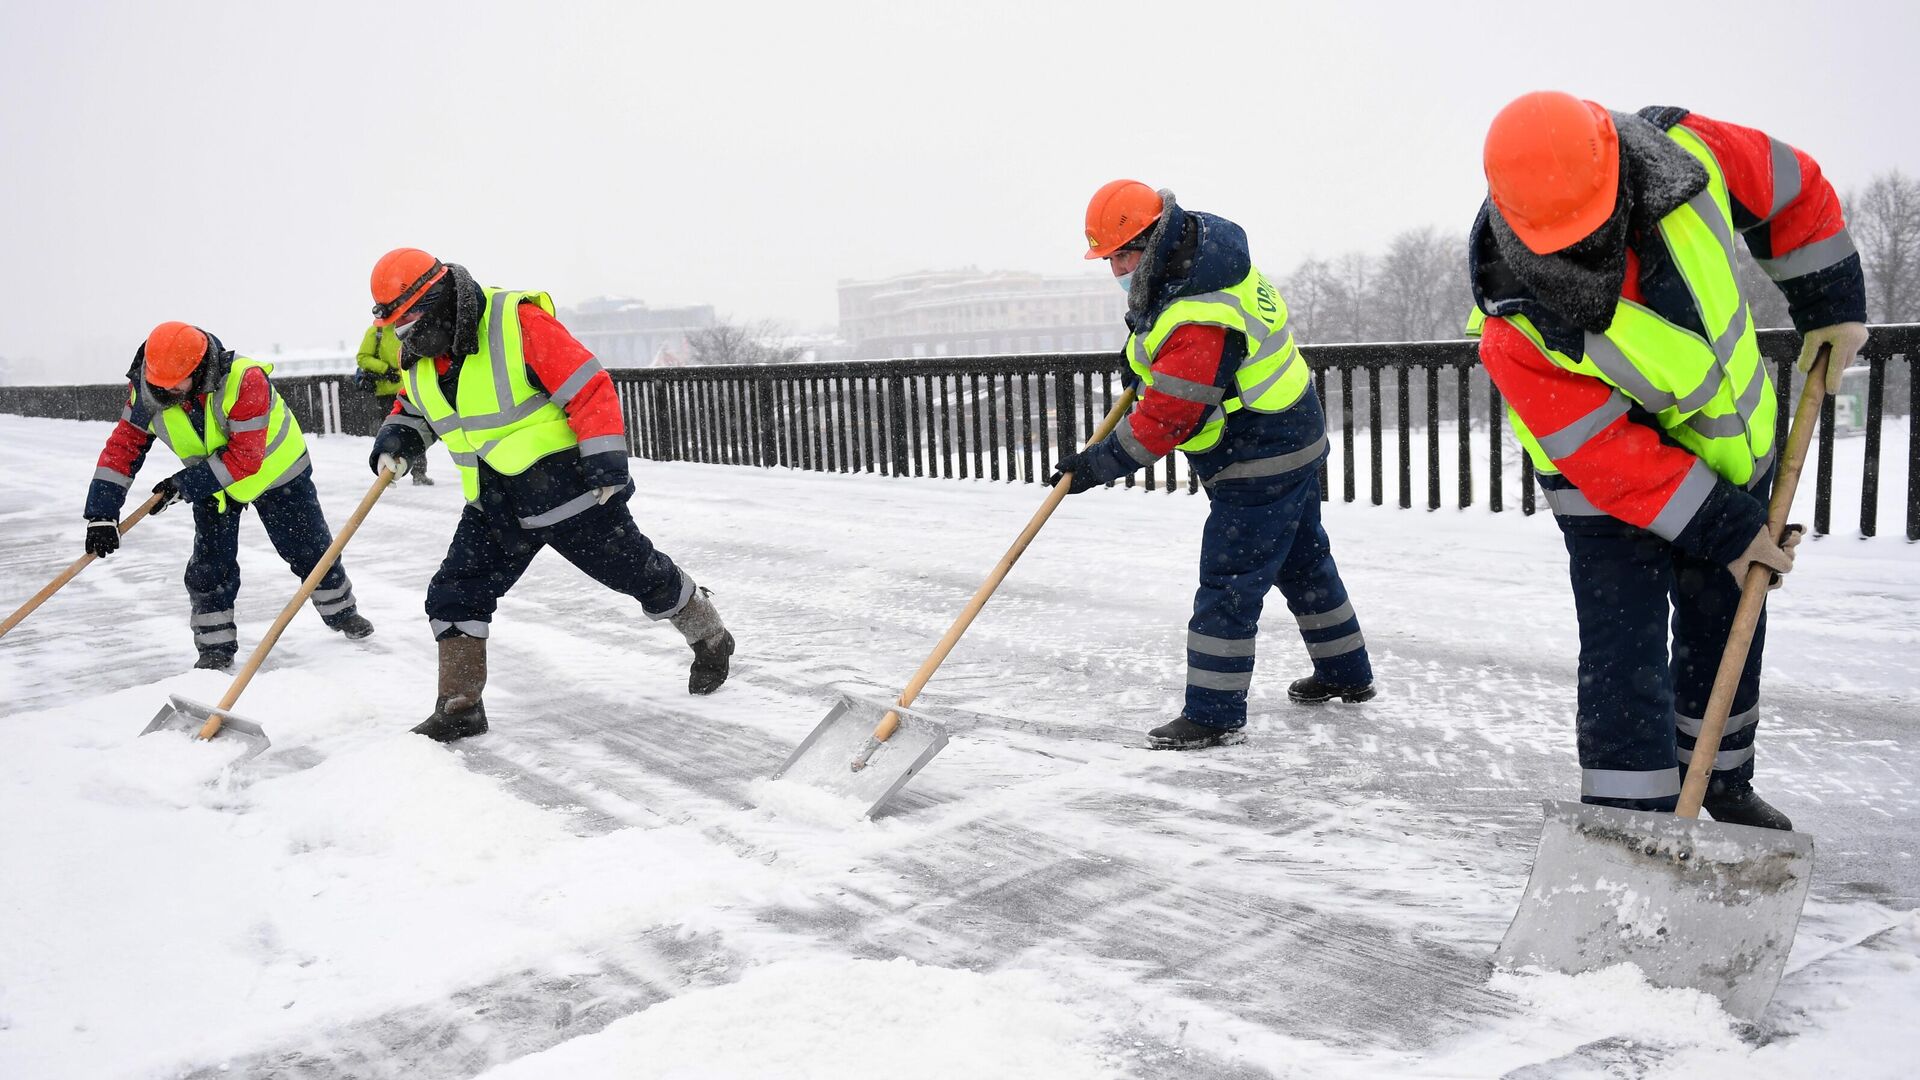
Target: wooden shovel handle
{"type": "Point", "coordinates": [380, 484]}
{"type": "Point", "coordinates": [73, 571]}
{"type": "Point", "coordinates": [891, 722]}
{"type": "Point", "coordinates": [1753, 593]}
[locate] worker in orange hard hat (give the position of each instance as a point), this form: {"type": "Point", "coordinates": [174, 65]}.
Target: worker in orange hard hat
{"type": "Point", "coordinates": [1221, 377]}
{"type": "Point", "coordinates": [241, 447]}
{"type": "Point", "coordinates": [535, 430]}
{"type": "Point", "coordinates": [1614, 326]}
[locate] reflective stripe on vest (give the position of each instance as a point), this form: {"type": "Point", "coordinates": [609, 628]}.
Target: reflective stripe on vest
{"type": "Point", "coordinates": [1712, 395]}
{"type": "Point", "coordinates": [497, 415]}
{"type": "Point", "coordinates": [286, 447]}
{"type": "Point", "coordinates": [1269, 380]}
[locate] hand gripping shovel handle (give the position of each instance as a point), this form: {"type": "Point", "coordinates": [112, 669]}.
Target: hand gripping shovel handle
{"type": "Point", "coordinates": [1753, 593]}
{"type": "Point", "coordinates": [891, 722]}
{"type": "Point", "coordinates": [332, 555]}
{"type": "Point", "coordinates": [73, 571]}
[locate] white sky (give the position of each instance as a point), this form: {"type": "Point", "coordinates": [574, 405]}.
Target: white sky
{"type": "Point", "coordinates": [241, 165]}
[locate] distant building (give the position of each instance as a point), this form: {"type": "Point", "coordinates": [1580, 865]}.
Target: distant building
{"type": "Point", "coordinates": [975, 313]}
{"type": "Point", "coordinates": [624, 332]}
{"type": "Point", "coordinates": [321, 361]}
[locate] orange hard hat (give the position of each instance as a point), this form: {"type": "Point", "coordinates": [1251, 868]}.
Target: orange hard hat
{"type": "Point", "coordinates": [401, 277]}
{"type": "Point", "coordinates": [1553, 168]}
{"type": "Point", "coordinates": [173, 351]}
{"type": "Point", "coordinates": [1118, 212]}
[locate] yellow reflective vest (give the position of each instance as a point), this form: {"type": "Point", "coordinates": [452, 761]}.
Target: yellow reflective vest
{"type": "Point", "coordinates": [1713, 394]}
{"type": "Point", "coordinates": [1270, 379]}
{"type": "Point", "coordinates": [380, 354]}
{"type": "Point", "coordinates": [286, 449]}
{"type": "Point", "coordinates": [497, 416]}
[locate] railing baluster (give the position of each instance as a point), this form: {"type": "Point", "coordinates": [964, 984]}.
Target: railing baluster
{"type": "Point", "coordinates": [1346, 433]}
{"type": "Point", "coordinates": [1375, 437]}
{"type": "Point", "coordinates": [897, 424]}
{"type": "Point", "coordinates": [1026, 423]}
{"type": "Point", "coordinates": [1823, 484]}
{"type": "Point", "coordinates": [1042, 434]}
{"type": "Point", "coordinates": [1402, 406]}
{"type": "Point", "coordinates": [1319, 380]}
{"type": "Point", "coordinates": [1433, 437]}
{"type": "Point", "coordinates": [1913, 446]}
{"type": "Point", "coordinates": [980, 452]}
{"type": "Point", "coordinates": [1496, 439]}
{"type": "Point", "coordinates": [946, 429]}
{"type": "Point", "coordinates": [1463, 418]}
{"type": "Point", "coordinates": [1870, 466]}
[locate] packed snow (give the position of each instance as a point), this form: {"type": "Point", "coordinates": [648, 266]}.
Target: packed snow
{"type": "Point", "coordinates": [607, 884]}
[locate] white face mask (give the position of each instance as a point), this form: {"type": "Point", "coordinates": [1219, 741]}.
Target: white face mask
{"type": "Point", "coordinates": [1125, 281]}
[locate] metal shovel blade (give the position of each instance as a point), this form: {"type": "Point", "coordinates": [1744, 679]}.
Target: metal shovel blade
{"type": "Point", "coordinates": [1696, 904]}
{"type": "Point", "coordinates": [188, 715]}
{"type": "Point", "coordinates": [825, 758]}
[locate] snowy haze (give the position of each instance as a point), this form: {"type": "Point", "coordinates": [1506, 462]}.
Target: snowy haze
{"type": "Point", "coordinates": [241, 165]}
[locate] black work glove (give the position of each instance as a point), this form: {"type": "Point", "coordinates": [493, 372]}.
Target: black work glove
{"type": "Point", "coordinates": [365, 380]}
{"type": "Point", "coordinates": [170, 487]}
{"type": "Point", "coordinates": [398, 444]}
{"type": "Point", "coordinates": [103, 537]}
{"type": "Point", "coordinates": [1080, 464]}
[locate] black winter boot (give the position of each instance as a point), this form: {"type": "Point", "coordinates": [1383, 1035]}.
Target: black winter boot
{"type": "Point", "coordinates": [454, 718]}
{"type": "Point", "coordinates": [420, 477]}
{"type": "Point", "coordinates": [458, 712]}
{"type": "Point", "coordinates": [1181, 733]}
{"type": "Point", "coordinates": [1311, 691]}
{"type": "Point", "coordinates": [1738, 804]}
{"type": "Point", "coordinates": [355, 626]}
{"type": "Point", "coordinates": [214, 660]}
{"type": "Point", "coordinates": [699, 622]}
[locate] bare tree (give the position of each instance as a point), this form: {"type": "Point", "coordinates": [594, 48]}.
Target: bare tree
{"type": "Point", "coordinates": [1350, 317]}
{"type": "Point", "coordinates": [1885, 222]}
{"type": "Point", "coordinates": [1420, 288]}
{"type": "Point", "coordinates": [1308, 299]}
{"type": "Point", "coordinates": [726, 342]}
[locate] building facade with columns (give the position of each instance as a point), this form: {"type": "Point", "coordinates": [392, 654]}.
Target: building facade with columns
{"type": "Point", "coordinates": [979, 313]}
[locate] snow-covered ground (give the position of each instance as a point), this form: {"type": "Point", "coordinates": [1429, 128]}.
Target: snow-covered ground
{"type": "Point", "coordinates": [605, 887]}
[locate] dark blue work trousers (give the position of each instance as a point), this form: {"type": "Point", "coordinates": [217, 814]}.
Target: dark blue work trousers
{"type": "Point", "coordinates": [490, 551]}
{"type": "Point", "coordinates": [1262, 533]}
{"type": "Point", "coordinates": [298, 530]}
{"type": "Point", "coordinates": [1639, 706]}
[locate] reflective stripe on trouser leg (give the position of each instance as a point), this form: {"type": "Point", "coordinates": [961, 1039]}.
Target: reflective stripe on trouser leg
{"type": "Point", "coordinates": [1704, 599]}
{"type": "Point", "coordinates": [1625, 719]}
{"type": "Point", "coordinates": [608, 547]}
{"type": "Point", "coordinates": [290, 514]}
{"type": "Point", "coordinates": [1250, 526]}
{"type": "Point", "coordinates": [213, 576]}
{"type": "Point", "coordinates": [1322, 611]}
{"type": "Point", "coordinates": [212, 629]}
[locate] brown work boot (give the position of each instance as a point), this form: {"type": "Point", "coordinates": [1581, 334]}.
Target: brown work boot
{"type": "Point", "coordinates": [458, 712]}
{"type": "Point", "coordinates": [699, 622]}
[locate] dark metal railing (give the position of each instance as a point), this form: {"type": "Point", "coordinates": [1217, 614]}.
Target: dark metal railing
{"type": "Point", "coordinates": [1009, 418]}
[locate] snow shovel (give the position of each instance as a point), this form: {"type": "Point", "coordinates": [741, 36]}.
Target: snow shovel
{"type": "Point", "coordinates": [73, 571]}
{"type": "Point", "coordinates": [1695, 904]}
{"type": "Point", "coordinates": [863, 752]}
{"type": "Point", "coordinates": [204, 721]}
